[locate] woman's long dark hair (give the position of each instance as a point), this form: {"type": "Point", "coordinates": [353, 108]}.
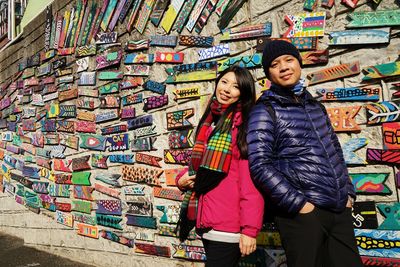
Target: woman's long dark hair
{"type": "Point", "coordinates": [247, 100]}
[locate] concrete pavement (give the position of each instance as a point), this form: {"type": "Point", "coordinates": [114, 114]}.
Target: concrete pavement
{"type": "Point", "coordinates": [13, 253]}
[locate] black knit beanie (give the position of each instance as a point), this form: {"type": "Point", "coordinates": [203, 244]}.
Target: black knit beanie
{"type": "Point", "coordinates": [277, 48]}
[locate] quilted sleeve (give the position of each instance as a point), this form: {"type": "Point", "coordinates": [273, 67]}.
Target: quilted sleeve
{"type": "Point", "coordinates": [270, 180]}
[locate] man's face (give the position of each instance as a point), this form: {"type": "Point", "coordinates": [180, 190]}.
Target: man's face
{"type": "Point", "coordinates": [285, 71]}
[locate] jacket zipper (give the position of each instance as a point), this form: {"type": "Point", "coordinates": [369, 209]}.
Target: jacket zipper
{"type": "Point", "coordinates": [201, 210]}
{"type": "Point", "coordinates": [320, 141]}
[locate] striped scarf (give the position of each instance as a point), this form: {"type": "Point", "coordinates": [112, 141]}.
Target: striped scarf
{"type": "Point", "coordinates": [207, 162]}
{"type": "Point", "coordinates": [217, 154]}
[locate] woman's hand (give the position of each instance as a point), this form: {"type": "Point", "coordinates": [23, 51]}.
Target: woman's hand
{"type": "Point", "coordinates": [247, 245]}
{"type": "Point", "coordinates": [186, 181]}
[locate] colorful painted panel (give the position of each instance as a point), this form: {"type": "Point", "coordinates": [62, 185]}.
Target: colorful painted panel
{"type": "Point", "coordinates": [140, 58]}
{"type": "Point", "coordinates": [64, 218]}
{"type": "Point", "coordinates": [141, 175]}
{"type": "Point", "coordinates": [252, 61]}
{"type": "Point", "coordinates": [84, 218]}
{"type": "Point", "coordinates": [381, 71]}
{"type": "Point", "coordinates": [87, 230]}
{"type": "Point", "coordinates": [202, 71]}
{"type": "Point", "coordinates": [314, 57]}
{"type": "Point", "coordinates": [143, 143]}
{"type": "Point", "coordinates": [108, 60]}
{"type": "Point", "coordinates": [384, 156]}
{"type": "Point", "coordinates": [391, 135]}
{"type": "Point", "coordinates": [140, 206]}
{"type": "Point", "coordinates": [370, 183]}
{"type": "Point", "coordinates": [362, 93]}
{"type": "Point", "coordinates": [163, 40]}
{"type": "Point", "coordinates": [349, 149]}
{"type": "Point", "coordinates": [177, 156]}
{"type": "Point", "coordinates": [171, 14]}
{"type": "Point", "coordinates": [214, 52]}
{"type": "Point", "coordinates": [378, 243]}
{"type": "Point", "coordinates": [184, 251]}
{"type": "Point", "coordinates": [118, 142]}
{"type": "Point", "coordinates": [93, 142]}
{"type": "Point", "coordinates": [374, 18]}
{"type": "Point", "coordinates": [83, 192]}
{"type": "Point", "coordinates": [109, 206]}
{"type": "Point", "coordinates": [245, 32]}
{"type": "Point", "coordinates": [154, 102]}
{"type": "Point", "coordinates": [386, 111]}
{"type": "Point", "coordinates": [109, 221]}
{"type": "Point", "coordinates": [305, 25]}
{"type": "Point", "coordinates": [141, 121]}
{"type": "Point", "coordinates": [180, 139]}
{"type": "Point", "coordinates": [391, 213]}
{"type": "Point", "coordinates": [99, 161]}
{"type": "Point", "coordinates": [107, 190]}
{"type": "Point", "coordinates": [117, 238]}
{"type": "Point", "coordinates": [148, 159]}
{"type": "Point", "coordinates": [334, 73]}
{"type": "Point", "coordinates": [158, 11]}
{"type": "Point", "coordinates": [137, 70]}
{"type": "Point", "coordinates": [343, 118]}
{"type": "Point", "coordinates": [380, 261]}
{"type": "Point", "coordinates": [122, 158]}
{"type": "Point", "coordinates": [59, 190]}
{"type": "Point", "coordinates": [179, 119]}
{"type": "Point", "coordinates": [168, 193]}
{"type": "Point", "coordinates": [351, 37]}
{"type": "Point", "coordinates": [137, 45]}
{"type": "Point", "coordinates": [110, 179]}
{"type": "Point", "coordinates": [196, 40]}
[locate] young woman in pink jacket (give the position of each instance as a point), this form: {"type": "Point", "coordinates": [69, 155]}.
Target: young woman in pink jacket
{"type": "Point", "coordinates": [221, 199]}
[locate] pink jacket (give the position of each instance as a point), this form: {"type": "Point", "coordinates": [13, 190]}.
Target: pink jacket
{"type": "Point", "coordinates": [235, 205]}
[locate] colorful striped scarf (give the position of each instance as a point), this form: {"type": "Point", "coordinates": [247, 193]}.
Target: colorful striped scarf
{"type": "Point", "coordinates": [210, 159]}
{"type": "Point", "coordinates": [217, 154]}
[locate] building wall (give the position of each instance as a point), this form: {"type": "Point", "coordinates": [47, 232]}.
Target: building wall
{"type": "Point", "coordinates": [43, 232]}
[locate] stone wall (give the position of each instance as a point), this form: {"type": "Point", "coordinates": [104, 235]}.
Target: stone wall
{"type": "Point", "coordinates": [43, 232]}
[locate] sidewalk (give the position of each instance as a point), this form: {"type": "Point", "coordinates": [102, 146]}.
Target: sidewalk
{"type": "Point", "coordinates": [13, 253]}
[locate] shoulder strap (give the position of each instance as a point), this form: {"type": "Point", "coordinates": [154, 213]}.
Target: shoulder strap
{"type": "Point", "coordinates": [270, 109]}
{"type": "Point", "coordinates": [271, 112]}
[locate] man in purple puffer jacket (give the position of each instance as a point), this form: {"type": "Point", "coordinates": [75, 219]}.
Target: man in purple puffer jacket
{"type": "Point", "coordinates": [296, 160]}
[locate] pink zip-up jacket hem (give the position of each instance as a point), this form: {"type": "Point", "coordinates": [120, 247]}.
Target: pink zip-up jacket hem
{"type": "Point", "coordinates": [235, 205]}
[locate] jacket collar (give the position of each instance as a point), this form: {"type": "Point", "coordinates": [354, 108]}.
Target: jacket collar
{"type": "Point", "coordinates": [286, 96]}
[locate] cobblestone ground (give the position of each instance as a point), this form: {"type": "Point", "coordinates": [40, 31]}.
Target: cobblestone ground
{"type": "Point", "coordinates": [13, 253]}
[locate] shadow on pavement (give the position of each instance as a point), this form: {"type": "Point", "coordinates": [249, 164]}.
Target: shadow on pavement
{"type": "Point", "coordinates": [13, 253]}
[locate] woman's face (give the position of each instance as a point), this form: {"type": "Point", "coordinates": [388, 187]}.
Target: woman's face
{"type": "Point", "coordinates": [227, 91]}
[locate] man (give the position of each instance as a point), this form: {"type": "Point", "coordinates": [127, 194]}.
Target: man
{"type": "Point", "coordinates": [296, 160]}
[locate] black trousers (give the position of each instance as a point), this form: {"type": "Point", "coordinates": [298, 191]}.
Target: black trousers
{"type": "Point", "coordinates": [221, 254]}
{"type": "Point", "coordinates": [319, 238]}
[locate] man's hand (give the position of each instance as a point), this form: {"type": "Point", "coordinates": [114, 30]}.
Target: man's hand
{"type": "Point", "coordinates": [247, 245]}
{"type": "Point", "coordinates": [350, 202]}
{"type": "Point", "coordinates": [307, 208]}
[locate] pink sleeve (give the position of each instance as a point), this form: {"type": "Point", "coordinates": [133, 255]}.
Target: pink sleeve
{"type": "Point", "coordinates": [251, 202]}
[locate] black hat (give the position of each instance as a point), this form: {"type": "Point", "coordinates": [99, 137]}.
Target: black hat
{"type": "Point", "coordinates": [277, 48]}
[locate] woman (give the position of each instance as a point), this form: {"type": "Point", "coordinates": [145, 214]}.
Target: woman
{"type": "Point", "coordinates": [222, 200]}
